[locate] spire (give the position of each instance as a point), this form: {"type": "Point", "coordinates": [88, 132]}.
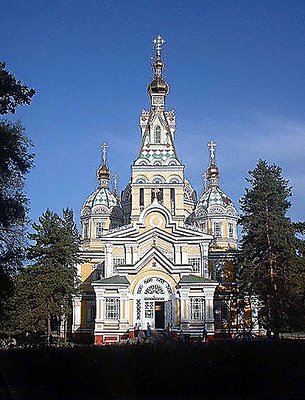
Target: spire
{"type": "Point", "coordinates": [158, 88]}
{"type": "Point", "coordinates": [103, 173]}
{"type": "Point", "coordinates": [212, 172]}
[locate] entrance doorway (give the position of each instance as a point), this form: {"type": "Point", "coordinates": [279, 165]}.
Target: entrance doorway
{"type": "Point", "coordinates": [159, 315]}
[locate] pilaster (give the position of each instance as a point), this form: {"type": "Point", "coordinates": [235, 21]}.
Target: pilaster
{"type": "Point", "coordinates": [108, 260]}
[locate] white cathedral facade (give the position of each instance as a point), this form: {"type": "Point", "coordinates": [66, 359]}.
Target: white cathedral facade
{"type": "Point", "coordinates": [157, 254]}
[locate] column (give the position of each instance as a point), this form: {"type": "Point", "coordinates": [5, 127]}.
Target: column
{"type": "Point", "coordinates": [76, 301]}
{"type": "Point", "coordinates": [177, 253]}
{"type": "Point", "coordinates": [184, 255]}
{"type": "Point", "coordinates": [99, 294]}
{"type": "Point", "coordinates": [204, 249]}
{"type": "Point", "coordinates": [134, 253]}
{"type": "Point", "coordinates": [128, 253]}
{"type": "Point", "coordinates": [124, 311]}
{"type": "Point", "coordinates": [209, 310]}
{"type": "Point", "coordinates": [184, 305]}
{"type": "Point", "coordinates": [108, 260]}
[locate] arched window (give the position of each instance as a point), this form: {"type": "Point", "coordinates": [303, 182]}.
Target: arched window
{"type": "Point", "coordinates": [157, 134]}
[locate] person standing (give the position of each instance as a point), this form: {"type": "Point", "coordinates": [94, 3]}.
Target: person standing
{"type": "Point", "coordinates": [148, 331]}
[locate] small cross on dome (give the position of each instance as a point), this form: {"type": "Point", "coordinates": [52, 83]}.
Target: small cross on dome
{"type": "Point", "coordinates": [212, 146]}
{"type": "Point", "coordinates": [158, 42]}
{"type": "Point", "coordinates": [104, 147]}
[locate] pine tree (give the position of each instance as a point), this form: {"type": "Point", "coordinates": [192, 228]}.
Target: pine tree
{"type": "Point", "coordinates": [12, 92]}
{"type": "Point", "coordinates": [44, 290]}
{"type": "Point", "coordinates": [16, 160]}
{"type": "Point", "coordinates": [270, 260]}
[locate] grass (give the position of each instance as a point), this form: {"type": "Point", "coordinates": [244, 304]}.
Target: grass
{"type": "Point", "coordinates": [216, 371]}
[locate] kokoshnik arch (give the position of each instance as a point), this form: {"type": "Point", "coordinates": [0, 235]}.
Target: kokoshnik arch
{"type": "Point", "coordinates": [156, 254]}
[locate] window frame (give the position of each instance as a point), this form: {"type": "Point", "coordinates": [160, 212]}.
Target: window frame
{"type": "Point", "coordinates": [112, 308]}
{"type": "Point", "coordinates": [157, 134]}
{"type": "Point", "coordinates": [197, 308]}
{"type": "Point", "coordinates": [195, 261]}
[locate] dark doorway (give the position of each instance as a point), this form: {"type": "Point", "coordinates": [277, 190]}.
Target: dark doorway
{"type": "Point", "coordinates": [159, 314]}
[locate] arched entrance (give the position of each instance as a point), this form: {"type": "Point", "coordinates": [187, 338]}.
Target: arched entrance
{"type": "Point", "coordinates": [154, 303]}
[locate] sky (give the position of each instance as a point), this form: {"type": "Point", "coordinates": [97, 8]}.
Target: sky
{"type": "Point", "coordinates": [236, 71]}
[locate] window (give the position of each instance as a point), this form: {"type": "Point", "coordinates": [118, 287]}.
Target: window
{"type": "Point", "coordinates": [231, 230]}
{"type": "Point", "coordinates": [172, 197]}
{"type": "Point", "coordinates": [157, 135]}
{"type": "Point", "coordinates": [217, 229]}
{"type": "Point", "coordinates": [141, 198]}
{"type": "Point", "coordinates": [154, 289]}
{"type": "Point", "coordinates": [219, 272]}
{"type": "Point", "coordinates": [86, 230]}
{"type": "Point", "coordinates": [149, 309]}
{"type": "Point", "coordinates": [99, 229]}
{"type": "Point", "coordinates": [112, 308]}
{"type": "Point", "coordinates": [157, 193]}
{"type": "Point", "coordinates": [117, 261]}
{"type": "Point", "coordinates": [197, 308]}
{"type": "Point", "coordinates": [138, 305]}
{"type": "Point", "coordinates": [217, 313]}
{"type": "Point", "coordinates": [91, 314]}
{"type": "Point", "coordinates": [224, 312]}
{"type": "Point", "coordinates": [195, 262]}
{"type": "Point", "coordinates": [202, 226]}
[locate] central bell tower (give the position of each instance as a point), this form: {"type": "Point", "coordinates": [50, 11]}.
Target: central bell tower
{"type": "Point", "coordinates": [157, 173]}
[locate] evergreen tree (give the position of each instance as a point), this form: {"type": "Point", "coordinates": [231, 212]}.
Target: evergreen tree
{"type": "Point", "coordinates": [12, 92]}
{"type": "Point", "coordinates": [271, 263]}
{"type": "Point", "coordinates": [16, 160]}
{"type": "Point", "coordinates": [44, 290]}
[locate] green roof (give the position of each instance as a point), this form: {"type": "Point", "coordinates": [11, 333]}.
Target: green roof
{"type": "Point", "coordinates": [114, 280]}
{"type": "Point", "coordinates": [195, 279]}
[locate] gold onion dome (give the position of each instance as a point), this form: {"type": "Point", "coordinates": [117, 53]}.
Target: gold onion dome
{"type": "Point", "coordinates": [158, 85]}
{"type": "Point", "coordinates": [213, 172]}
{"type": "Point", "coordinates": [103, 173]}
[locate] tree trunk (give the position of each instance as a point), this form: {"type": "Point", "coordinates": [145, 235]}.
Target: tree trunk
{"type": "Point", "coordinates": [273, 312]}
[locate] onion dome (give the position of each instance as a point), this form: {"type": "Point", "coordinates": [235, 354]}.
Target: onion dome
{"type": "Point", "coordinates": [214, 196]}
{"type": "Point", "coordinates": [103, 175]}
{"type": "Point", "coordinates": [101, 197]}
{"type": "Point", "coordinates": [158, 86]}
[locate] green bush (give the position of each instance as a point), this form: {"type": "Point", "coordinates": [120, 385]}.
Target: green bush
{"type": "Point", "coordinates": [225, 369]}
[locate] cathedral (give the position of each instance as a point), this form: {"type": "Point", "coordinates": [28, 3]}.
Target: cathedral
{"type": "Point", "coordinates": [157, 254]}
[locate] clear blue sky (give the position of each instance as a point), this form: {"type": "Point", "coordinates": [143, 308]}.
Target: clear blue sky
{"type": "Point", "coordinates": [236, 71]}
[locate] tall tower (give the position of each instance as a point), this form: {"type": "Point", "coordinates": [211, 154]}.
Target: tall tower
{"type": "Point", "coordinates": [157, 173]}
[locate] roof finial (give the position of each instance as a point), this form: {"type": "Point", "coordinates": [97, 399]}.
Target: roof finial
{"type": "Point", "coordinates": [212, 146]}
{"type": "Point", "coordinates": [212, 172]}
{"type": "Point", "coordinates": [104, 147]}
{"type": "Point", "coordinates": [115, 183]}
{"type": "Point", "coordinates": [158, 42]}
{"type": "Point", "coordinates": [103, 173]}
